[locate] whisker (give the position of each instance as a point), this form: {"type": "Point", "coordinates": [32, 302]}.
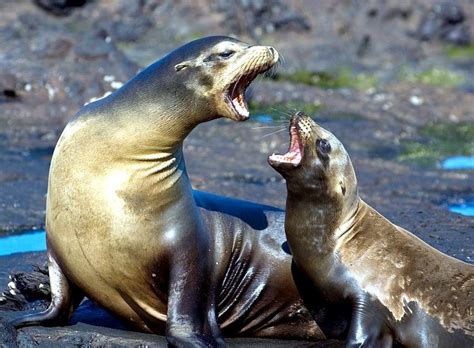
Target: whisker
{"type": "Point", "coordinates": [279, 111]}
{"type": "Point", "coordinates": [266, 127]}
{"type": "Point", "coordinates": [275, 132]}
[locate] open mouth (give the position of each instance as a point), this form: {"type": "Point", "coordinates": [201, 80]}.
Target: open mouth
{"type": "Point", "coordinates": [295, 151]}
{"type": "Point", "coordinates": [235, 95]}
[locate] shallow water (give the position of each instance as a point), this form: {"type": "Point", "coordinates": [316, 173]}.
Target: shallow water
{"type": "Point", "coordinates": [458, 163]}
{"type": "Point", "coordinates": [26, 242]}
{"type": "Point", "coordinates": [466, 208]}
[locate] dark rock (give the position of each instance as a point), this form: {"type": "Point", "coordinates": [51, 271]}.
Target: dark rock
{"type": "Point", "coordinates": [30, 21]}
{"type": "Point", "coordinates": [450, 13]}
{"type": "Point", "coordinates": [458, 35]}
{"type": "Point", "coordinates": [130, 29]}
{"type": "Point", "coordinates": [397, 12]}
{"type": "Point", "coordinates": [51, 47]}
{"type": "Point", "coordinates": [93, 46]}
{"type": "Point", "coordinates": [363, 46]}
{"type": "Point", "coordinates": [9, 85]}
{"type": "Point", "coordinates": [33, 285]}
{"type": "Point", "coordinates": [30, 293]}
{"type": "Point", "coordinates": [7, 334]}
{"type": "Point", "coordinates": [28, 287]}
{"type": "Point", "coordinates": [372, 12]}
{"type": "Point", "coordinates": [59, 7]}
{"type": "Point", "coordinates": [444, 21]}
{"type": "Point", "coordinates": [263, 16]}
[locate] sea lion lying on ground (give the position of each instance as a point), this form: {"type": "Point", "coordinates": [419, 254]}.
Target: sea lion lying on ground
{"type": "Point", "coordinates": [125, 228]}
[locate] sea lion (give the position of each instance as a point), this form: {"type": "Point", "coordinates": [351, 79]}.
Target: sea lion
{"type": "Point", "coordinates": [125, 228]}
{"type": "Point", "coordinates": [399, 288]}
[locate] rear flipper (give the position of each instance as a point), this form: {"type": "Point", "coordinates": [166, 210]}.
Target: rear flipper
{"type": "Point", "coordinates": [65, 298]}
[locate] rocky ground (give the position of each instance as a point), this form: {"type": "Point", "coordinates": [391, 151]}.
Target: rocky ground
{"type": "Point", "coordinates": [394, 80]}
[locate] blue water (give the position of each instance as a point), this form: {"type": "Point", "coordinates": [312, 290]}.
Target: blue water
{"type": "Point", "coordinates": [26, 242]}
{"type": "Point", "coordinates": [466, 208]}
{"type": "Point", "coordinates": [458, 162]}
{"type": "Point", "coordinates": [263, 118]}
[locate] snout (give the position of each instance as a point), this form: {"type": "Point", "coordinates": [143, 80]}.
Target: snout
{"type": "Point", "coordinates": [273, 53]}
{"type": "Point", "coordinates": [269, 53]}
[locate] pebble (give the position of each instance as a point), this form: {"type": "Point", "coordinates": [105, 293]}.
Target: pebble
{"type": "Point", "coordinates": [116, 84]}
{"type": "Point", "coordinates": [416, 101]}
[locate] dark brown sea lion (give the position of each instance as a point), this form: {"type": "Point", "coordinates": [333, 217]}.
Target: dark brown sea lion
{"type": "Point", "coordinates": [125, 228]}
{"type": "Point", "coordinates": [399, 288]}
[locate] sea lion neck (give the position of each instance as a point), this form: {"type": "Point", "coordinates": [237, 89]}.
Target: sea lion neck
{"type": "Point", "coordinates": [325, 218]}
{"type": "Point", "coordinates": [162, 113]}
{"type": "Point", "coordinates": [311, 223]}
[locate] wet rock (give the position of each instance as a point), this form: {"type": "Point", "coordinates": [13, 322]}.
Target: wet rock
{"type": "Point", "coordinates": [445, 21]}
{"type": "Point", "coordinates": [33, 285]}
{"type": "Point", "coordinates": [27, 290]}
{"type": "Point", "coordinates": [60, 7]}
{"type": "Point", "coordinates": [19, 281]}
{"type": "Point", "coordinates": [263, 16]}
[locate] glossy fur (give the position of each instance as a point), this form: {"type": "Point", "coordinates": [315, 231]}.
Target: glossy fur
{"type": "Point", "coordinates": [399, 289]}
{"type": "Point", "coordinates": [125, 229]}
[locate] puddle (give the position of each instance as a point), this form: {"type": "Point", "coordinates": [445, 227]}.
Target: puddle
{"type": "Point", "coordinates": [22, 243]}
{"type": "Point", "coordinates": [263, 118]}
{"type": "Point", "coordinates": [466, 208]}
{"type": "Point", "coordinates": [458, 163]}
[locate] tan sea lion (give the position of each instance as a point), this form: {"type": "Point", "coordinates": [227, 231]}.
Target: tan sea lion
{"type": "Point", "coordinates": [399, 288]}
{"type": "Point", "coordinates": [125, 228]}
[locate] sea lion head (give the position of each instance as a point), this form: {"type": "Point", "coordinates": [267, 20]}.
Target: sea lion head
{"type": "Point", "coordinates": [316, 164]}
{"type": "Point", "coordinates": [219, 69]}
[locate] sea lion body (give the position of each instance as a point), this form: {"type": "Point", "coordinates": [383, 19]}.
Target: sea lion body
{"type": "Point", "coordinates": [399, 288]}
{"type": "Point", "coordinates": [123, 226]}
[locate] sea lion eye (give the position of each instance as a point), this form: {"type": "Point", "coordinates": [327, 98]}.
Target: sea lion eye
{"type": "Point", "coordinates": [226, 54]}
{"type": "Point", "coordinates": [323, 146]}
{"type": "Point", "coordinates": [219, 56]}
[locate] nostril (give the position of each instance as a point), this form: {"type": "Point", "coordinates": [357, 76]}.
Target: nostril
{"type": "Point", "coordinates": [272, 51]}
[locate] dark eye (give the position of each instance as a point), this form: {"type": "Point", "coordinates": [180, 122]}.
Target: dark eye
{"type": "Point", "coordinates": [226, 54]}
{"type": "Point", "coordinates": [323, 146]}
{"type": "Point", "coordinates": [219, 56]}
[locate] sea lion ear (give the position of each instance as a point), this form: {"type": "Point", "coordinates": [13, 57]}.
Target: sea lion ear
{"type": "Point", "coordinates": [182, 66]}
{"type": "Point", "coordinates": [343, 187]}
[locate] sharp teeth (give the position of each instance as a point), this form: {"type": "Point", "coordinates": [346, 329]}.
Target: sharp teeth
{"type": "Point", "coordinates": [241, 110]}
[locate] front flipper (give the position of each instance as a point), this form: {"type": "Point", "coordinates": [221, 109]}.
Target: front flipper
{"type": "Point", "coordinates": [65, 298]}
{"type": "Point", "coordinates": [368, 326]}
{"type": "Point", "coordinates": [192, 317]}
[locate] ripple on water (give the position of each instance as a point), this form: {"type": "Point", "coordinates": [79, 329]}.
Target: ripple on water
{"type": "Point", "coordinates": [22, 243]}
